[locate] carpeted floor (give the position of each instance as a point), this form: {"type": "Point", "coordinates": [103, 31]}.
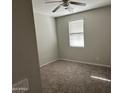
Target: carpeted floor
{"type": "Point", "coordinates": [72, 77]}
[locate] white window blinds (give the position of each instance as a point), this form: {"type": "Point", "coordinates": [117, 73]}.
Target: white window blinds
{"type": "Point", "coordinates": [76, 33]}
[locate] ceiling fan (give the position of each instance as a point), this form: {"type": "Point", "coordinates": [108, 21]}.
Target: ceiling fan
{"type": "Point", "coordinates": [65, 4]}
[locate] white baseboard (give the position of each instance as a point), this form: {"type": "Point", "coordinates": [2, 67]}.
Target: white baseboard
{"type": "Point", "coordinates": [49, 62]}
{"type": "Point", "coordinates": [84, 62]}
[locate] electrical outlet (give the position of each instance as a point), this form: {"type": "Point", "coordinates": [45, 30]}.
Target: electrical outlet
{"type": "Point", "coordinates": [97, 58]}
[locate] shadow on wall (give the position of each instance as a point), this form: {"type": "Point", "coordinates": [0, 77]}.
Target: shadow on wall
{"type": "Point", "coordinates": [25, 58]}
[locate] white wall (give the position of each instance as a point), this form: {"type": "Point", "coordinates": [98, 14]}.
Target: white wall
{"type": "Point", "coordinates": [46, 38]}
{"type": "Point", "coordinates": [97, 35]}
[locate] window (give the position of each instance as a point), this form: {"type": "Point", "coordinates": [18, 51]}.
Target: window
{"type": "Point", "coordinates": [76, 33]}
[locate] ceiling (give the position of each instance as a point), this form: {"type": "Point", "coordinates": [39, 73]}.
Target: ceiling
{"type": "Point", "coordinates": [41, 7]}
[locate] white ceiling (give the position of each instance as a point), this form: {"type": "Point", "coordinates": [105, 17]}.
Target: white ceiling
{"type": "Point", "coordinates": [41, 7]}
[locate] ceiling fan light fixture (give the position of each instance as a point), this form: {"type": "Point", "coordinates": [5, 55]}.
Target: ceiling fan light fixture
{"type": "Point", "coordinates": [66, 4]}
{"type": "Point", "coordinates": [69, 8]}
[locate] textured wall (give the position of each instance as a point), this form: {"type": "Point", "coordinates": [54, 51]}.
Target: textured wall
{"type": "Point", "coordinates": [46, 38]}
{"type": "Point", "coordinates": [25, 57]}
{"type": "Point", "coordinates": [97, 29]}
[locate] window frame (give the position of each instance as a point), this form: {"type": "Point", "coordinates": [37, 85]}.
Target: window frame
{"type": "Point", "coordinates": [69, 32]}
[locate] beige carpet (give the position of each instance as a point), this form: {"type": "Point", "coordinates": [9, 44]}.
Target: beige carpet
{"type": "Point", "coordinates": [72, 77]}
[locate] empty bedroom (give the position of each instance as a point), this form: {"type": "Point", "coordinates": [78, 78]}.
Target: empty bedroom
{"type": "Point", "coordinates": [74, 45]}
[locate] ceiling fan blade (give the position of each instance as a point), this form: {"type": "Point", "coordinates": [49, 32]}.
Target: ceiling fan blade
{"type": "Point", "coordinates": [77, 3]}
{"type": "Point", "coordinates": [53, 1]}
{"type": "Point", "coordinates": [57, 8]}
